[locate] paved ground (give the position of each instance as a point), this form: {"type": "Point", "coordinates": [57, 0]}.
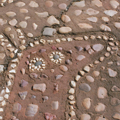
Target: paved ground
{"type": "Point", "coordinates": [59, 60]}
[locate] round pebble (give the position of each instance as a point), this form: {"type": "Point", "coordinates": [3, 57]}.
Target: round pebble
{"type": "Point", "coordinates": [90, 78]}
{"type": "Point", "coordinates": [48, 3]}
{"type": "Point", "coordinates": [85, 87]}
{"type": "Point", "coordinates": [62, 6]}
{"type": "Point", "coordinates": [63, 68]}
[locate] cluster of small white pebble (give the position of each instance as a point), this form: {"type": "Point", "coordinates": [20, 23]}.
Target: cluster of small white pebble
{"type": "Point", "coordinates": [33, 67]}
{"type": "Point", "coordinates": [111, 47]}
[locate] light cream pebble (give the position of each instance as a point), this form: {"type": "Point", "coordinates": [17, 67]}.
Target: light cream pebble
{"type": "Point", "coordinates": [65, 18]}
{"type": "Point", "coordinates": [114, 3]}
{"type": "Point", "coordinates": [23, 24]}
{"type": "Point", "coordinates": [105, 19]}
{"type": "Point", "coordinates": [29, 34]}
{"type": "Point", "coordinates": [27, 17]}
{"type": "Point", "coordinates": [86, 69]}
{"type": "Point", "coordinates": [72, 102]}
{"type": "Point", "coordinates": [1, 117]}
{"type": "Point", "coordinates": [3, 103]}
{"type": "Point", "coordinates": [71, 91]}
{"type": "Point", "coordinates": [98, 3]}
{"type": "Point", "coordinates": [1, 98]}
{"type": "Point", "coordinates": [12, 71]}
{"type": "Point", "coordinates": [101, 59]}
{"type": "Point", "coordinates": [43, 14]}
{"type": "Point", "coordinates": [96, 73]}
{"type": "Point", "coordinates": [33, 4]}
{"type": "Point", "coordinates": [85, 26]}
{"type": "Point", "coordinates": [58, 40]}
{"type": "Point", "coordinates": [93, 19]}
{"type": "Point", "coordinates": [9, 83]}
{"type": "Point", "coordinates": [20, 4]}
{"type": "Point", "coordinates": [1, 110]}
{"type": "Point", "coordinates": [86, 37]}
{"type": "Point", "coordinates": [73, 84]}
{"type": "Point", "coordinates": [117, 25]}
{"type": "Point", "coordinates": [102, 92]}
{"type": "Point", "coordinates": [52, 20]}
{"type": "Point", "coordinates": [87, 103]}
{"type": "Point", "coordinates": [85, 117]}
{"type": "Point", "coordinates": [71, 97]}
{"type": "Point", "coordinates": [77, 77]}
{"type": "Point", "coordinates": [116, 116]}
{"type": "Point", "coordinates": [90, 78]}
{"type": "Point", "coordinates": [72, 113]}
{"type": "Point", "coordinates": [10, 14]}
{"type": "Point", "coordinates": [23, 10]}
{"type": "Point", "coordinates": [69, 39]}
{"type": "Point", "coordinates": [77, 12]}
{"type": "Point", "coordinates": [79, 4]}
{"type": "Point", "coordinates": [6, 96]}
{"type": "Point", "coordinates": [65, 30]}
{"type": "Point", "coordinates": [35, 26]}
{"type": "Point", "coordinates": [91, 11]}
{"type": "Point", "coordinates": [7, 29]}
{"type": "Point", "coordinates": [82, 73]}
{"type": "Point", "coordinates": [13, 22]}
{"type": "Point", "coordinates": [110, 13]}
{"type": "Point", "coordinates": [10, 1]}
{"type": "Point", "coordinates": [105, 37]}
{"type": "Point", "coordinates": [99, 107]}
{"type": "Point", "coordinates": [105, 27]}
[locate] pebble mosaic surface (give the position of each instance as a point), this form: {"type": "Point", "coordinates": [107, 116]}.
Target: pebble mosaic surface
{"type": "Point", "coordinates": [59, 60]}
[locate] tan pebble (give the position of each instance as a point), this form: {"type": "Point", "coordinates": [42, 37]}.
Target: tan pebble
{"type": "Point", "coordinates": [108, 49]}
{"type": "Point", "coordinates": [116, 116]}
{"type": "Point", "coordinates": [52, 20]}
{"type": "Point", "coordinates": [86, 69]}
{"type": "Point", "coordinates": [20, 4]}
{"type": "Point", "coordinates": [35, 26]}
{"type": "Point", "coordinates": [42, 14]}
{"type": "Point", "coordinates": [33, 4]}
{"type": "Point", "coordinates": [107, 54]}
{"type": "Point", "coordinates": [114, 3]}
{"type": "Point", "coordinates": [77, 78]}
{"type": "Point", "coordinates": [71, 97]}
{"type": "Point", "coordinates": [85, 26]}
{"type": "Point", "coordinates": [96, 62]}
{"type": "Point", "coordinates": [82, 73]}
{"type": "Point", "coordinates": [101, 59]}
{"type": "Point", "coordinates": [65, 18]}
{"type": "Point", "coordinates": [7, 29]}
{"type": "Point", "coordinates": [86, 37]}
{"type": "Point", "coordinates": [102, 92]}
{"type": "Point", "coordinates": [79, 38]}
{"type": "Point", "coordinates": [79, 4]}
{"type": "Point", "coordinates": [105, 37]}
{"type": "Point", "coordinates": [77, 12]}
{"type": "Point", "coordinates": [11, 14]}
{"type": "Point", "coordinates": [22, 47]}
{"type": "Point", "coordinates": [72, 102]}
{"type": "Point", "coordinates": [101, 118]}
{"type": "Point", "coordinates": [92, 37]}
{"type": "Point", "coordinates": [13, 22]}
{"type": "Point", "coordinates": [72, 113]}
{"type": "Point", "coordinates": [12, 55]}
{"type": "Point", "coordinates": [105, 27]}
{"type": "Point", "coordinates": [105, 19]}
{"type": "Point", "coordinates": [23, 11]}
{"type": "Point", "coordinates": [29, 34]}
{"type": "Point", "coordinates": [55, 105]}
{"type": "Point", "coordinates": [99, 107]}
{"type": "Point", "coordinates": [52, 70]}
{"type": "Point", "coordinates": [23, 24]}
{"type": "Point", "coordinates": [62, 6]}
{"type": "Point", "coordinates": [48, 3]}
{"type": "Point", "coordinates": [23, 71]}
{"type": "Point", "coordinates": [63, 68]}
{"type": "Point", "coordinates": [71, 91]}
{"type": "Point", "coordinates": [87, 103]}
{"type": "Point", "coordinates": [65, 30]}
{"type": "Point", "coordinates": [73, 84]}
{"type": "Point", "coordinates": [96, 73]}
{"type": "Point", "coordinates": [90, 78]}
{"type": "Point", "coordinates": [85, 117]}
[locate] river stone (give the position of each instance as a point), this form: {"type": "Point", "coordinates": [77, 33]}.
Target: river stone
{"type": "Point", "coordinates": [38, 63]}
{"type": "Point", "coordinates": [105, 27]}
{"type": "Point", "coordinates": [42, 14]}
{"type": "Point", "coordinates": [13, 22]}
{"type": "Point", "coordinates": [117, 25]}
{"type": "Point", "coordinates": [91, 11]}
{"type": "Point", "coordinates": [55, 105]}
{"type": "Point", "coordinates": [110, 13]}
{"type": "Point", "coordinates": [20, 4]}
{"type": "Point", "coordinates": [40, 87]}
{"type": "Point", "coordinates": [63, 68]}
{"type": "Point", "coordinates": [92, 19]}
{"type": "Point", "coordinates": [33, 75]}
{"type": "Point", "coordinates": [23, 10]}
{"type": "Point", "coordinates": [85, 26]}
{"type": "Point", "coordinates": [116, 116]}
{"type": "Point", "coordinates": [48, 3]}
{"type": "Point", "coordinates": [79, 48]}
{"type": "Point", "coordinates": [65, 30]}
{"type": "Point", "coordinates": [114, 101]}
{"type": "Point", "coordinates": [98, 3]}
{"type": "Point", "coordinates": [23, 95]}
{"type": "Point", "coordinates": [23, 83]}
{"type": "Point", "coordinates": [33, 4]}
{"type": "Point", "coordinates": [58, 77]}
{"type": "Point", "coordinates": [96, 73]}
{"type": "Point", "coordinates": [79, 4]}
{"type": "Point", "coordinates": [23, 24]}
{"type": "Point", "coordinates": [84, 87]}
{"type": "Point", "coordinates": [62, 6]}
{"type": "Point", "coordinates": [77, 12]}
{"type": "Point", "coordinates": [99, 107]}
{"type": "Point", "coordinates": [31, 110]}
{"type": "Point", "coordinates": [65, 18]}
{"type": "Point", "coordinates": [90, 78]}
{"type": "Point", "coordinates": [105, 19]}
{"type": "Point", "coordinates": [85, 117]}
{"type": "Point", "coordinates": [56, 56]}
{"type": "Point", "coordinates": [16, 107]}
{"type": "Point", "coordinates": [2, 56]}
{"type": "Point", "coordinates": [52, 20]}
{"type": "Point", "coordinates": [10, 14]}
{"type": "Point", "coordinates": [97, 47]}
{"type": "Point", "coordinates": [49, 31]}
{"type": "Point", "coordinates": [112, 73]}
{"type": "Point", "coordinates": [114, 4]}
{"type": "Point", "coordinates": [86, 69]}
{"type": "Point", "coordinates": [80, 57]}
{"type": "Point", "coordinates": [102, 92]}
{"type": "Point", "coordinates": [68, 61]}
{"type": "Point", "coordinates": [87, 103]}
